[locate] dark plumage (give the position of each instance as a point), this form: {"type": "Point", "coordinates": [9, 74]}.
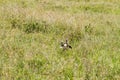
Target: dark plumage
{"type": "Point", "coordinates": [65, 45]}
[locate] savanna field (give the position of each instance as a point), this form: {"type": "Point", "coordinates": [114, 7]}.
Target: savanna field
{"type": "Point", "coordinates": [31, 32]}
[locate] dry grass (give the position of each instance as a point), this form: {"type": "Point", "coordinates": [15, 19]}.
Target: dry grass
{"type": "Point", "coordinates": [31, 31]}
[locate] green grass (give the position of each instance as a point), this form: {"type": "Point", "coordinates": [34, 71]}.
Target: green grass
{"type": "Point", "coordinates": [31, 32]}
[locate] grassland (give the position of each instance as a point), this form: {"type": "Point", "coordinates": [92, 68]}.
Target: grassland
{"type": "Point", "coordinates": [31, 32]}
